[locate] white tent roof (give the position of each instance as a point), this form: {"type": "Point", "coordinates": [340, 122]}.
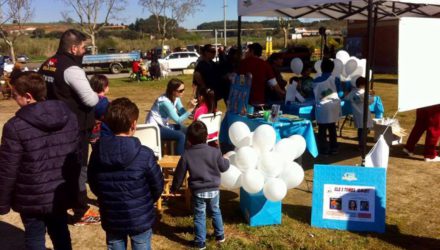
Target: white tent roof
{"type": "Point", "coordinates": [338, 9]}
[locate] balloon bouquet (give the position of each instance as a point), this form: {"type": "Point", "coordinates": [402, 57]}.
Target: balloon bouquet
{"type": "Point", "coordinates": [259, 164]}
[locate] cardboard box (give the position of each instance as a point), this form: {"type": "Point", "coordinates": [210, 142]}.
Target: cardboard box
{"type": "Point", "coordinates": [259, 211]}
{"type": "Point", "coordinates": [393, 136]}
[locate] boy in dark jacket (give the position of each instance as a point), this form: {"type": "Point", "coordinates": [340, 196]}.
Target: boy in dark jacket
{"type": "Point", "coordinates": [39, 163]}
{"type": "Point", "coordinates": [204, 164]}
{"type": "Point", "coordinates": [125, 177]}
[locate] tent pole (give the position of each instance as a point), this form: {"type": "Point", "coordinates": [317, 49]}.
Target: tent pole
{"type": "Point", "coordinates": [374, 47]}
{"type": "Point", "coordinates": [239, 33]}
{"type": "Point", "coordinates": [367, 76]}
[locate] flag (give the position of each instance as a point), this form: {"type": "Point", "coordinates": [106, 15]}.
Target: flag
{"type": "Point", "coordinates": [379, 154]}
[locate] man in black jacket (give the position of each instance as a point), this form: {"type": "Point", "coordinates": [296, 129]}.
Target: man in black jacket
{"type": "Point", "coordinates": [67, 81]}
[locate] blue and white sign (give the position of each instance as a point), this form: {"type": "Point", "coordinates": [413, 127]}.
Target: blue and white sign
{"type": "Point", "coordinates": [349, 198]}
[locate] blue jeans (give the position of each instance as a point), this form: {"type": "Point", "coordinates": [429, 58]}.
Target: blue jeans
{"type": "Point", "coordinates": [35, 231]}
{"type": "Point", "coordinates": [200, 205]}
{"type": "Point", "coordinates": [142, 241]}
{"type": "Point", "coordinates": [177, 135]}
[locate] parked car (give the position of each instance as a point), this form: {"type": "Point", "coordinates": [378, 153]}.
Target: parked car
{"type": "Point", "coordinates": [22, 59]}
{"type": "Point", "coordinates": [296, 51]}
{"type": "Point", "coordinates": [180, 60]}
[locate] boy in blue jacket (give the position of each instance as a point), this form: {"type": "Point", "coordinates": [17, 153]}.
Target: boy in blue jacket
{"type": "Point", "coordinates": [204, 164]}
{"type": "Point", "coordinates": [125, 177]}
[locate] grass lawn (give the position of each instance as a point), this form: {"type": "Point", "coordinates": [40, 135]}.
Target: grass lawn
{"type": "Point", "coordinates": [412, 220]}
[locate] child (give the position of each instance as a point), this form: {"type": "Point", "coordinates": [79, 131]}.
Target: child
{"type": "Point", "coordinates": [39, 163]}
{"type": "Point", "coordinates": [207, 104]}
{"type": "Point", "coordinates": [99, 84]}
{"type": "Point", "coordinates": [125, 177]}
{"type": "Point", "coordinates": [356, 98]}
{"type": "Point", "coordinates": [204, 164]}
{"type": "Point", "coordinates": [327, 108]}
{"type": "Point", "coordinates": [305, 83]}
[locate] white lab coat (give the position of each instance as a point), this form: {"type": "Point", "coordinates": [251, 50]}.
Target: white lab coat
{"type": "Point", "coordinates": [356, 99]}
{"type": "Point", "coordinates": [328, 104]}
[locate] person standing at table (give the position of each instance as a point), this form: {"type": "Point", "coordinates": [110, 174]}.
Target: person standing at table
{"type": "Point", "coordinates": [206, 73]}
{"type": "Point", "coordinates": [126, 178]}
{"type": "Point", "coordinates": [427, 118]}
{"type": "Point", "coordinates": [327, 108]}
{"type": "Point", "coordinates": [262, 75]}
{"type": "Point", "coordinates": [204, 164]}
{"type": "Point", "coordinates": [67, 81]}
{"type": "Point", "coordinates": [276, 62]}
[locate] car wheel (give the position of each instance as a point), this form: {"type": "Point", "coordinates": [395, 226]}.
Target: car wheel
{"type": "Point", "coordinates": [192, 65]}
{"type": "Point", "coordinates": [116, 68]}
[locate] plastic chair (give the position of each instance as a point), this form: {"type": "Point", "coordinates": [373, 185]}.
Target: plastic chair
{"type": "Point", "coordinates": [149, 135]}
{"type": "Point", "coordinates": [212, 123]}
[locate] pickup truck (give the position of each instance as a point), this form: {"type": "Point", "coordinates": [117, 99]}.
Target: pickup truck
{"type": "Point", "coordinates": [115, 63]}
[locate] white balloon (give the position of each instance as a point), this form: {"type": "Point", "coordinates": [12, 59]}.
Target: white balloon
{"type": "Point", "coordinates": [343, 56]}
{"type": "Point", "coordinates": [252, 181]}
{"type": "Point", "coordinates": [237, 132]}
{"type": "Point", "coordinates": [231, 177]}
{"type": "Point", "coordinates": [246, 141]}
{"type": "Point", "coordinates": [296, 65]}
{"type": "Point", "coordinates": [246, 158]}
{"type": "Point", "coordinates": [229, 154]}
{"type": "Point", "coordinates": [271, 163]}
{"type": "Point", "coordinates": [339, 66]}
{"type": "Point", "coordinates": [350, 66]}
{"type": "Point", "coordinates": [264, 138]}
{"type": "Point", "coordinates": [286, 147]}
{"type": "Point", "coordinates": [274, 189]}
{"type": "Point", "coordinates": [292, 174]}
{"type": "Point", "coordinates": [317, 66]}
{"type": "Point", "coordinates": [300, 145]}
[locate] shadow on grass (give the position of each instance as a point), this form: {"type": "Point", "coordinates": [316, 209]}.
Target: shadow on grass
{"type": "Point", "coordinates": [172, 232]}
{"type": "Point", "coordinates": [346, 151]}
{"type": "Point", "coordinates": [393, 236]}
{"type": "Point", "coordinates": [298, 212]}
{"type": "Point", "coordinates": [11, 237]}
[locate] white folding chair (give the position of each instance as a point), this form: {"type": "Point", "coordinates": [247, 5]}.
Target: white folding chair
{"type": "Point", "coordinates": [149, 135]}
{"type": "Point", "coordinates": [212, 122]}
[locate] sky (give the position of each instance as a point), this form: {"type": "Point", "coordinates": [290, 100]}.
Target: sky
{"type": "Point", "coordinates": [50, 11]}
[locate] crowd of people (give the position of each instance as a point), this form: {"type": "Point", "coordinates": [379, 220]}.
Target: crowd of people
{"type": "Point", "coordinates": [44, 163]}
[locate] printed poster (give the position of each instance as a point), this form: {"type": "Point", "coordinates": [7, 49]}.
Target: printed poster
{"type": "Point", "coordinates": [349, 203]}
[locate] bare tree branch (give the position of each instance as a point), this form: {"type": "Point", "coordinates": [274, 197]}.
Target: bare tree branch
{"type": "Point", "coordinates": [88, 12]}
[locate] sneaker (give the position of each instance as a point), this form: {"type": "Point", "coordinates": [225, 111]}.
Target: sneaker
{"type": "Point", "coordinates": [199, 245]}
{"type": "Point", "coordinates": [220, 239]}
{"type": "Point", "coordinates": [406, 151]}
{"type": "Point", "coordinates": [89, 218]}
{"type": "Point", "coordinates": [435, 159]}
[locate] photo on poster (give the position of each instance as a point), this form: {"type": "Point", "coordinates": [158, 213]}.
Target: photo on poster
{"type": "Point", "coordinates": [350, 203]}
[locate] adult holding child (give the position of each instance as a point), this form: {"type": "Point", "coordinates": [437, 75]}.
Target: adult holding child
{"type": "Point", "coordinates": [66, 81]}
{"type": "Point", "coordinates": [168, 107]}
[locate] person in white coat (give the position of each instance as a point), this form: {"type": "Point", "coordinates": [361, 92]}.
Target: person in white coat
{"type": "Point", "coordinates": [356, 99]}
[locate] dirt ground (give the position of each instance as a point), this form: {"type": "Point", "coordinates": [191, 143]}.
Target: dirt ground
{"type": "Point", "coordinates": [412, 203]}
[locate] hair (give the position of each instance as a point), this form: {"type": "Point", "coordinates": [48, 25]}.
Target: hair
{"type": "Point", "coordinates": [327, 65]}
{"type": "Point", "coordinates": [209, 98]}
{"type": "Point", "coordinates": [99, 83]}
{"type": "Point", "coordinates": [69, 38]}
{"type": "Point", "coordinates": [207, 48]}
{"type": "Point", "coordinates": [33, 83]}
{"type": "Point", "coordinates": [172, 85]}
{"type": "Point", "coordinates": [256, 49]}
{"type": "Point", "coordinates": [361, 82]}
{"type": "Point", "coordinates": [121, 113]}
{"type": "Point", "coordinates": [197, 133]}
{"type": "Point", "coordinates": [272, 58]}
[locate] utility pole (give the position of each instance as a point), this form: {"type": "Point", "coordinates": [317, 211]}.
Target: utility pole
{"type": "Point", "coordinates": [224, 21]}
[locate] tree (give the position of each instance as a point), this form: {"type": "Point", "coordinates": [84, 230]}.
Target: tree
{"type": "Point", "coordinates": [284, 24]}
{"type": "Point", "coordinates": [88, 13]}
{"type": "Point", "coordinates": [38, 33]}
{"type": "Point", "coordinates": [18, 12]}
{"type": "Point", "coordinates": [169, 13]}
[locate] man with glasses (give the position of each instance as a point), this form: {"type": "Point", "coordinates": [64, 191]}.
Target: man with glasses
{"type": "Point", "coordinates": [206, 73]}
{"type": "Point", "coordinates": [67, 81]}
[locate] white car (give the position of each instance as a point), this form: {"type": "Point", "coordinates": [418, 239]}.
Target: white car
{"type": "Point", "coordinates": [180, 60]}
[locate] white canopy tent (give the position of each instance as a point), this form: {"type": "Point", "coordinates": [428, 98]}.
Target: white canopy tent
{"type": "Point", "coordinates": [370, 10]}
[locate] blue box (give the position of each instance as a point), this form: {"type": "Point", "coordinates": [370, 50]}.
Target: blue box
{"type": "Point", "coordinates": [259, 211]}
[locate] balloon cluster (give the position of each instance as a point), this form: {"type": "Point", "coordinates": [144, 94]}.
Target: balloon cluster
{"type": "Point", "coordinates": [346, 67]}
{"type": "Point", "coordinates": [259, 164]}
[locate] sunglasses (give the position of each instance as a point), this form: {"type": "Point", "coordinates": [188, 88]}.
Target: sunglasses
{"type": "Point", "coordinates": [180, 90]}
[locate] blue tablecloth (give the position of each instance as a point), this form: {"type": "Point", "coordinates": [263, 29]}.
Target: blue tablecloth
{"type": "Point", "coordinates": [306, 109]}
{"type": "Point", "coordinates": [284, 128]}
